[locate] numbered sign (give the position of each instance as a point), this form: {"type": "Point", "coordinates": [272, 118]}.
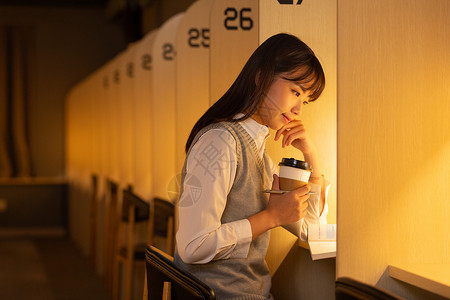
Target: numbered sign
{"type": "Point", "coordinates": [163, 106]}
{"type": "Point", "coordinates": [234, 37]}
{"type": "Point", "coordinates": [192, 71]}
{"type": "Point", "coordinates": [127, 68]}
{"type": "Point", "coordinates": [142, 116]}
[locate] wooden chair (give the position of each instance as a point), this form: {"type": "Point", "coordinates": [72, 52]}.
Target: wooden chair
{"type": "Point", "coordinates": [162, 224]}
{"type": "Point", "coordinates": [166, 280]}
{"type": "Point", "coordinates": [351, 289]}
{"type": "Point", "coordinates": [126, 251]}
{"type": "Point", "coordinates": [160, 216]}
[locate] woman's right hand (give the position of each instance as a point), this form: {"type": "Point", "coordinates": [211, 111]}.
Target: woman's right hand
{"type": "Point", "coordinates": [289, 207]}
{"type": "Point", "coordinates": [281, 210]}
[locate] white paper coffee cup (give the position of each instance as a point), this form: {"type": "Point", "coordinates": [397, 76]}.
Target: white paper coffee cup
{"type": "Point", "coordinates": [293, 174]}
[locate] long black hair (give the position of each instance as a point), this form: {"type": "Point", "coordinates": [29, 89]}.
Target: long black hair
{"type": "Point", "coordinates": [280, 54]}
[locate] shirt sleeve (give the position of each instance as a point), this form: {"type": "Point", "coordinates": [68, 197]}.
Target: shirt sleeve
{"type": "Point", "coordinates": [313, 216]}
{"type": "Point", "coordinates": [210, 173]}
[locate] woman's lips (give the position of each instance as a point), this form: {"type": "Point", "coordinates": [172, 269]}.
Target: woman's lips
{"type": "Point", "coordinates": [286, 119]}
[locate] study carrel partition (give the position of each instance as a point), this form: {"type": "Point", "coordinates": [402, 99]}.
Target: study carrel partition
{"type": "Point", "coordinates": [163, 106]}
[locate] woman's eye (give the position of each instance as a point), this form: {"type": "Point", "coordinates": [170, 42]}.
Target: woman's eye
{"type": "Point", "coordinates": [296, 93]}
{"type": "Point", "coordinates": [305, 102]}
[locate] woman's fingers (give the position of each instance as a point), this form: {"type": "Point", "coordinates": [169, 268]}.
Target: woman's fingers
{"type": "Point", "coordinates": [292, 135]}
{"type": "Point", "coordinates": [276, 182]}
{"type": "Point", "coordinates": [291, 131]}
{"type": "Point", "coordinates": [286, 128]}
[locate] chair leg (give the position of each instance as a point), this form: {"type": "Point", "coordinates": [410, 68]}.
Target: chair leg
{"type": "Point", "coordinates": [115, 279]}
{"type": "Point", "coordinates": [116, 262]}
{"type": "Point", "coordinates": [128, 277]}
{"type": "Point", "coordinates": [167, 295]}
{"type": "Point", "coordinates": [93, 232]}
{"type": "Point", "coordinates": [145, 292]}
{"type": "Point", "coordinates": [130, 254]}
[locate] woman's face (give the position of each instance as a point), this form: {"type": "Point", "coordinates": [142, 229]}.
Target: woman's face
{"type": "Point", "coordinates": [282, 103]}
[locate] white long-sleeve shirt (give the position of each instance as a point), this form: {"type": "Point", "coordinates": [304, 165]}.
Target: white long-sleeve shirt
{"type": "Point", "coordinates": [210, 173]}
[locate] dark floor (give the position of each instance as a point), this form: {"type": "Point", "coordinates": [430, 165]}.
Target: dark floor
{"type": "Point", "coordinates": [46, 269]}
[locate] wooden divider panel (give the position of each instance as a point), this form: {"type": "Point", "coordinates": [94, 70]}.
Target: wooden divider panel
{"type": "Point", "coordinates": [105, 86]}
{"type": "Point", "coordinates": [97, 168]}
{"type": "Point", "coordinates": [142, 116]}
{"type": "Point", "coordinates": [95, 88]}
{"type": "Point", "coordinates": [163, 106]}
{"type": "Point", "coordinates": [80, 203]}
{"type": "Point", "coordinates": [314, 22]}
{"type": "Point", "coordinates": [74, 135]}
{"type": "Point", "coordinates": [70, 131]}
{"type": "Point", "coordinates": [102, 115]}
{"type": "Point", "coordinates": [85, 127]}
{"type": "Point", "coordinates": [393, 97]}
{"type": "Point", "coordinates": [234, 37]}
{"type": "Point", "coordinates": [113, 85]}
{"type": "Point", "coordinates": [192, 71]}
{"type": "Point", "coordinates": [126, 115]}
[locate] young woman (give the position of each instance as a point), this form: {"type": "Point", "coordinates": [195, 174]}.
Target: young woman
{"type": "Point", "coordinates": [224, 215]}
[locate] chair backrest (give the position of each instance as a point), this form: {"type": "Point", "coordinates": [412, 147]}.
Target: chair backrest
{"type": "Point", "coordinates": [163, 211]}
{"type": "Point", "coordinates": [184, 286]}
{"type": "Point", "coordinates": [349, 289]}
{"type": "Point", "coordinates": [162, 223]}
{"type": "Point", "coordinates": [141, 207]}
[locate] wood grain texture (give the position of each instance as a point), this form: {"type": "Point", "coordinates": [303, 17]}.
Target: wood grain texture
{"type": "Point", "coordinates": [102, 85]}
{"type": "Point", "coordinates": [394, 138]}
{"type": "Point", "coordinates": [112, 93]}
{"type": "Point", "coordinates": [314, 22]}
{"type": "Point", "coordinates": [231, 48]}
{"type": "Point", "coordinates": [192, 73]}
{"type": "Point", "coordinates": [163, 106]}
{"type": "Point", "coordinates": [126, 116]}
{"type": "Point", "coordinates": [143, 177]}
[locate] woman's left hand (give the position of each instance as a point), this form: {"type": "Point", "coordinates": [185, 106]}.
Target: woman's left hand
{"type": "Point", "coordinates": [295, 134]}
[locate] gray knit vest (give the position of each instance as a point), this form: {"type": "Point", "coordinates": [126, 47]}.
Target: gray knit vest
{"type": "Point", "coordinates": [240, 278]}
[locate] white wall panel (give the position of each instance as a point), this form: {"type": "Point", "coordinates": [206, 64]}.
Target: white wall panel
{"type": "Point", "coordinates": [142, 116]}
{"type": "Point", "coordinates": [192, 71]}
{"type": "Point", "coordinates": [163, 106]}
{"type": "Point", "coordinates": [234, 37]}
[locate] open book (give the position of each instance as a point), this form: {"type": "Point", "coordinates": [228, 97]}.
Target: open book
{"type": "Point", "coordinates": [322, 240]}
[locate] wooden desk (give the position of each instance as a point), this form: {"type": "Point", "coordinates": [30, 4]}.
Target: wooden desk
{"type": "Point", "coordinates": [33, 206]}
{"type": "Point", "coordinates": [328, 250]}
{"type": "Point", "coordinates": [434, 278]}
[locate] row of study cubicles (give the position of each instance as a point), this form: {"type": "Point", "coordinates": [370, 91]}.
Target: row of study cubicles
{"type": "Point", "coordinates": [127, 122]}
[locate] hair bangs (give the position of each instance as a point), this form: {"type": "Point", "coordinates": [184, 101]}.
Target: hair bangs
{"type": "Point", "coordinates": [311, 77]}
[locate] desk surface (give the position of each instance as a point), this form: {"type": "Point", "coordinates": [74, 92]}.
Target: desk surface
{"type": "Point", "coordinates": [434, 278]}
{"type": "Point", "coordinates": [319, 250]}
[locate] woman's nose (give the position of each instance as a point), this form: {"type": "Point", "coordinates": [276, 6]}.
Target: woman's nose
{"type": "Point", "coordinates": [297, 109]}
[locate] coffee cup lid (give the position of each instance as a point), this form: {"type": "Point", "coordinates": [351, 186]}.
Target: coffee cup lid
{"type": "Point", "coordinates": [292, 162]}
